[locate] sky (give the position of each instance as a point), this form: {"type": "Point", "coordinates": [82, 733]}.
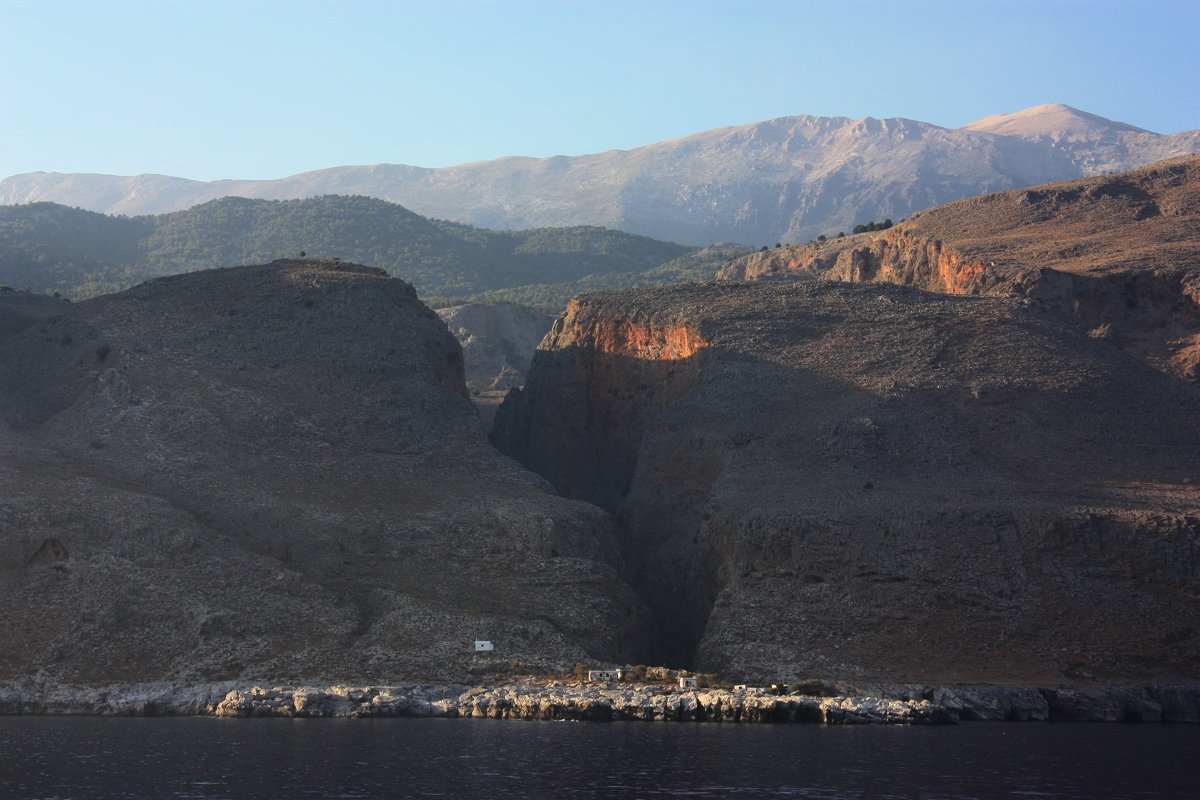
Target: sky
{"type": "Point", "coordinates": [257, 89]}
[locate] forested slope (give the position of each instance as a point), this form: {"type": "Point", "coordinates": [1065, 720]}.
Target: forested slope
{"type": "Point", "coordinates": [51, 248]}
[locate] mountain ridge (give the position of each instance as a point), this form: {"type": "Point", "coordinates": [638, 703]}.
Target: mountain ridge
{"type": "Point", "coordinates": [787, 179]}
{"type": "Point", "coordinates": [50, 247]}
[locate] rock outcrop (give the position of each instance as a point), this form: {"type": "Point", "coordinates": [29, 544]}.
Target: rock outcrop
{"type": "Point", "coordinates": [274, 472]}
{"type": "Point", "coordinates": [873, 482]}
{"type": "Point", "coordinates": [1117, 255]}
{"type": "Point", "coordinates": [526, 699]}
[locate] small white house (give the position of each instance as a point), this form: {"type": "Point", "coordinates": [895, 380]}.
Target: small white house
{"type": "Point", "coordinates": [687, 683]}
{"type": "Point", "coordinates": [481, 645]}
{"type": "Point", "coordinates": [604, 674]}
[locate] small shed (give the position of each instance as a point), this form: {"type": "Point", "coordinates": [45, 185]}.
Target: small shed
{"type": "Point", "coordinates": [483, 645]}
{"type": "Point", "coordinates": [686, 682]}
{"type": "Point", "coordinates": [603, 675]}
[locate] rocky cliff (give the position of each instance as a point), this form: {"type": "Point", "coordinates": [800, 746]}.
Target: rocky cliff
{"type": "Point", "coordinates": [876, 482]}
{"type": "Point", "coordinates": [498, 340]}
{"type": "Point", "coordinates": [1117, 255]}
{"type": "Point", "coordinates": [275, 471]}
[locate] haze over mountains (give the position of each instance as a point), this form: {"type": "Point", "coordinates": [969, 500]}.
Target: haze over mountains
{"type": "Point", "coordinates": [788, 179]}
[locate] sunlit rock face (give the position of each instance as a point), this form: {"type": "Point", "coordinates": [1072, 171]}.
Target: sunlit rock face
{"type": "Point", "coordinates": [1116, 255]}
{"type": "Point", "coordinates": [275, 472]}
{"type": "Point", "coordinates": [876, 482]}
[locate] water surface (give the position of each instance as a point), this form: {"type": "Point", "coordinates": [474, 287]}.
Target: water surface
{"type": "Point", "coordinates": [88, 758]}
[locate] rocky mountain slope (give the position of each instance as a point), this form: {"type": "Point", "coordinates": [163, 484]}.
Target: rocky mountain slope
{"type": "Point", "coordinates": [498, 340]}
{"type": "Point", "coordinates": [20, 309]}
{"type": "Point", "coordinates": [873, 482]}
{"type": "Point", "coordinates": [275, 471]}
{"type": "Point", "coordinates": [1117, 255]}
{"type": "Point", "coordinates": [786, 179]}
{"type": "Point", "coordinates": [1095, 145]}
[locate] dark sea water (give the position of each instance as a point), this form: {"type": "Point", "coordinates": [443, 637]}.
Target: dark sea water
{"type": "Point", "coordinates": [193, 757]}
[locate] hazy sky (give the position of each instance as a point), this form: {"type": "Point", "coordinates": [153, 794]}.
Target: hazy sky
{"type": "Point", "coordinates": [266, 88]}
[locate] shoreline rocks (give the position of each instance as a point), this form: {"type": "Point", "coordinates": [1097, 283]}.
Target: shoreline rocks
{"type": "Point", "coordinates": [557, 700]}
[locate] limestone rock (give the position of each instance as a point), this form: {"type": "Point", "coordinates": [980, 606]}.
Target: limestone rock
{"type": "Point", "coordinates": [274, 472]}
{"type": "Point", "coordinates": [870, 482]}
{"type": "Point", "coordinates": [498, 340]}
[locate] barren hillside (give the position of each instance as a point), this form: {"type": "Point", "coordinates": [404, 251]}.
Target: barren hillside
{"type": "Point", "coordinates": [1118, 255]}
{"type": "Point", "coordinates": [274, 472]}
{"type": "Point", "coordinates": [873, 482]}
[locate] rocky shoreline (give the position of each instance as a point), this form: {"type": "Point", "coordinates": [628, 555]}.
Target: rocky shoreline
{"type": "Point", "coordinates": [566, 700]}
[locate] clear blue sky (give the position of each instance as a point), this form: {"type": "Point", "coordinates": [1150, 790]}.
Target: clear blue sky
{"type": "Point", "coordinates": [266, 88]}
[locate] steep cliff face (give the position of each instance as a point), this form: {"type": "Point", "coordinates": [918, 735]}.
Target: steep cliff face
{"type": "Point", "coordinates": [498, 340]}
{"type": "Point", "coordinates": [1117, 255]}
{"type": "Point", "coordinates": [274, 471]}
{"type": "Point", "coordinates": [875, 482]}
{"type": "Point", "coordinates": [586, 447]}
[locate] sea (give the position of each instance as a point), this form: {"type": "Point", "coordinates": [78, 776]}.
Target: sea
{"type": "Point", "coordinates": [86, 758]}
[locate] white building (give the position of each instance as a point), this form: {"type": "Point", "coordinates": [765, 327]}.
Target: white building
{"type": "Point", "coordinates": [604, 674]}
{"type": "Point", "coordinates": [482, 645]}
{"type": "Point", "coordinates": [687, 683]}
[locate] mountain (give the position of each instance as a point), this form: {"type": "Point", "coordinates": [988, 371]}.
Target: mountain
{"type": "Point", "coordinates": [787, 179]}
{"type": "Point", "coordinates": [870, 482]}
{"type": "Point", "coordinates": [1116, 255]}
{"type": "Point", "coordinates": [1094, 144]}
{"type": "Point", "coordinates": [274, 472]}
{"type": "Point", "coordinates": [48, 247]}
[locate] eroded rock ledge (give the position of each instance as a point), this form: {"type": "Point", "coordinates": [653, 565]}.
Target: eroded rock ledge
{"type": "Point", "coordinates": [555, 700]}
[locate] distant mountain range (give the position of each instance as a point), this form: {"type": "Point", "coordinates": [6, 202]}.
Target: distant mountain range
{"type": "Point", "coordinates": [787, 179]}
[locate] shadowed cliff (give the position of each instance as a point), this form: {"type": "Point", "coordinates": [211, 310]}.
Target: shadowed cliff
{"type": "Point", "coordinates": [275, 472]}
{"type": "Point", "coordinates": [875, 482]}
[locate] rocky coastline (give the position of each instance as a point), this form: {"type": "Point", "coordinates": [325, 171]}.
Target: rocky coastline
{"type": "Point", "coordinates": [531, 699]}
